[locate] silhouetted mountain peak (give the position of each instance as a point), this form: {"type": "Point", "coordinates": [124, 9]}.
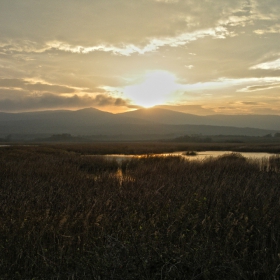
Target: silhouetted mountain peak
{"type": "Point", "coordinates": [143, 121]}
{"type": "Point", "coordinates": [163, 116]}
{"type": "Point", "coordinates": [91, 110]}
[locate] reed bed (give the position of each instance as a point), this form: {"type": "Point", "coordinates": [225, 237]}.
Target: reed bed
{"type": "Point", "coordinates": [130, 148]}
{"type": "Point", "coordinates": [67, 216]}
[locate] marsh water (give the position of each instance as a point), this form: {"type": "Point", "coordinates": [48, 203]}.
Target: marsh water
{"type": "Point", "coordinates": [198, 156]}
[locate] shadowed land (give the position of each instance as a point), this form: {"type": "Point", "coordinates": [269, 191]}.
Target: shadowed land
{"type": "Point", "coordinates": [67, 216]}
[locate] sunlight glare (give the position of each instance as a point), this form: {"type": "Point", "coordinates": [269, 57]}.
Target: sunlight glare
{"type": "Point", "coordinates": [155, 89]}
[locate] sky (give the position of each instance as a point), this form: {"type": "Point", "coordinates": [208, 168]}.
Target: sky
{"type": "Point", "coordinates": [195, 56]}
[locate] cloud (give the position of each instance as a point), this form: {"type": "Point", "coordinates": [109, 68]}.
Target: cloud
{"type": "Point", "coordinates": [81, 48]}
{"type": "Point", "coordinates": [84, 25]}
{"type": "Point", "coordinates": [10, 46]}
{"type": "Point", "coordinates": [27, 85]}
{"type": "Point", "coordinates": [51, 101]}
{"type": "Point", "coordinates": [103, 100]}
{"type": "Point", "coordinates": [236, 21]}
{"type": "Point", "coordinates": [125, 50]}
{"type": "Point", "coordinates": [109, 21]}
{"type": "Point", "coordinates": [51, 88]}
{"type": "Point", "coordinates": [13, 83]}
{"type": "Point", "coordinates": [270, 29]}
{"type": "Point", "coordinates": [153, 44]}
{"type": "Point", "coordinates": [223, 82]}
{"type": "Point", "coordinates": [250, 103]}
{"type": "Point", "coordinates": [12, 93]}
{"type": "Point", "coordinates": [167, 1]}
{"type": "Point", "coordinates": [259, 87]}
{"type": "Point", "coordinates": [270, 65]}
{"type": "Point", "coordinates": [29, 94]}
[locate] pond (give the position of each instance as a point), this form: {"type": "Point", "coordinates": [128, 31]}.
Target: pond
{"type": "Point", "coordinates": [207, 154]}
{"type": "Point", "coordinates": [197, 156]}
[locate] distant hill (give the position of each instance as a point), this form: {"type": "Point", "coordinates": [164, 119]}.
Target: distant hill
{"type": "Point", "coordinates": [270, 122]}
{"type": "Point", "coordinates": [257, 121]}
{"type": "Point", "coordinates": [61, 121]}
{"type": "Point", "coordinates": [164, 116]}
{"type": "Point", "coordinates": [142, 124]}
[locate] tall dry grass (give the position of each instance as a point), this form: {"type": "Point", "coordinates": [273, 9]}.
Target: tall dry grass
{"type": "Point", "coordinates": [66, 216]}
{"type": "Point", "coordinates": [161, 147]}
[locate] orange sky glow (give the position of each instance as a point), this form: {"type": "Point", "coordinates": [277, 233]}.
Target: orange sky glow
{"type": "Point", "coordinates": [189, 56]}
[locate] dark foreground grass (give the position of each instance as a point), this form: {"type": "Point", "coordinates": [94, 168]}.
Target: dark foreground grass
{"type": "Point", "coordinates": [66, 216]}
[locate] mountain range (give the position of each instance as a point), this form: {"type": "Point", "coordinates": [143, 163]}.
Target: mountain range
{"type": "Point", "coordinates": [147, 123]}
{"type": "Point", "coordinates": [165, 116]}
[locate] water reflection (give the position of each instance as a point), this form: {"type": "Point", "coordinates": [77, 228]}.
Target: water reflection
{"type": "Point", "coordinates": [265, 161]}
{"type": "Point", "coordinates": [207, 154]}
{"type": "Point", "coordinates": [199, 155]}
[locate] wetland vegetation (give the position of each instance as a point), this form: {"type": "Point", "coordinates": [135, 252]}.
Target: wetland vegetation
{"type": "Point", "coordinates": [68, 216]}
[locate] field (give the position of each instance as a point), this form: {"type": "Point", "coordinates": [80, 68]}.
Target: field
{"type": "Point", "coordinates": [66, 215]}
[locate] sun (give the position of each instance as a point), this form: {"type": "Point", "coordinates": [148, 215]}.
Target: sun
{"type": "Point", "coordinates": [155, 88]}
